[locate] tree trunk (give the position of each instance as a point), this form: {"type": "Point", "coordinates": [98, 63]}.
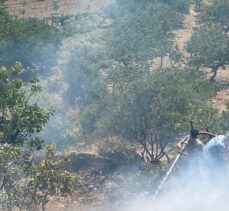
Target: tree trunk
{"type": "Point", "coordinates": [43, 203]}
{"type": "Point", "coordinates": [161, 64]}
{"type": "Point", "coordinates": [214, 70]}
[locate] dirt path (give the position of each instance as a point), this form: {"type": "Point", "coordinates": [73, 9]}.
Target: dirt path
{"type": "Point", "coordinates": [183, 35]}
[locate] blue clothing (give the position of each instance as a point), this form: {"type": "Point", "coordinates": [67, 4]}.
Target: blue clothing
{"type": "Point", "coordinates": [213, 151]}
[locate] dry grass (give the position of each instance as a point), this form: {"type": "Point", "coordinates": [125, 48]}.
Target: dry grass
{"type": "Point", "coordinates": [182, 36]}
{"type": "Point", "coordinates": [47, 8]}
{"type": "Point", "coordinates": [222, 97]}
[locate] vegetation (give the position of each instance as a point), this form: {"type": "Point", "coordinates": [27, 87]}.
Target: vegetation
{"type": "Point", "coordinates": [216, 12]}
{"type": "Point", "coordinates": [209, 43]}
{"type": "Point", "coordinates": [125, 8]}
{"type": "Point", "coordinates": [123, 103]}
{"type": "Point", "coordinates": [209, 47]}
{"type": "Point", "coordinates": [132, 53]}
{"type": "Point", "coordinates": [152, 24]}
{"type": "Point", "coordinates": [25, 181]}
{"type": "Point", "coordinates": [147, 108]}
{"type": "Point", "coordinates": [141, 113]}
{"type": "Point", "coordinates": [83, 76]}
{"type": "Point", "coordinates": [30, 41]}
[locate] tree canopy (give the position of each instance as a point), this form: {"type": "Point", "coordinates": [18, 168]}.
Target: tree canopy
{"type": "Point", "coordinates": [25, 182]}
{"type": "Point", "coordinates": [217, 12]}
{"type": "Point", "coordinates": [143, 36]}
{"type": "Point", "coordinates": [151, 111]}
{"type": "Point", "coordinates": [209, 47]}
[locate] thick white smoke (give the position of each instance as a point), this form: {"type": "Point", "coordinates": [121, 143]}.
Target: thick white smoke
{"type": "Point", "coordinates": [195, 188]}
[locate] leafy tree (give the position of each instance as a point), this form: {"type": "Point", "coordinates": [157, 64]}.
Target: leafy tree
{"type": "Point", "coordinates": [209, 47]}
{"type": "Point", "coordinates": [19, 118]}
{"type": "Point", "coordinates": [153, 110]}
{"type": "Point", "coordinates": [25, 182]}
{"type": "Point", "coordinates": [30, 41]}
{"type": "Point", "coordinates": [83, 76]}
{"type": "Point", "coordinates": [127, 41]}
{"type": "Point", "coordinates": [139, 38]}
{"type": "Point", "coordinates": [217, 12]}
{"type": "Point", "coordinates": [180, 5]}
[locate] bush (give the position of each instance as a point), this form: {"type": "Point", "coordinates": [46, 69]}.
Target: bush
{"type": "Point", "coordinates": [31, 41]}
{"type": "Point", "coordinates": [24, 182]}
{"type": "Point", "coordinates": [181, 6]}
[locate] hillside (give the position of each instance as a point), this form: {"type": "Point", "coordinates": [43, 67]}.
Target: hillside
{"type": "Point", "coordinates": [181, 37]}
{"type": "Point", "coordinates": [113, 163]}
{"type": "Point", "coordinates": [47, 8]}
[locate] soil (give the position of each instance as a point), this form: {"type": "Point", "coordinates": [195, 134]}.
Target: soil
{"type": "Point", "coordinates": [47, 8]}
{"type": "Point", "coordinates": [104, 183]}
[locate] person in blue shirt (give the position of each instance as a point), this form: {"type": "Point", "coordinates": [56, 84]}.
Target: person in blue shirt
{"type": "Point", "coordinates": [214, 151]}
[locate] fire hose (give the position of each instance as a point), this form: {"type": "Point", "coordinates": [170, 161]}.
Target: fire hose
{"type": "Point", "coordinates": [181, 152]}
{"type": "Point", "coordinates": [185, 141]}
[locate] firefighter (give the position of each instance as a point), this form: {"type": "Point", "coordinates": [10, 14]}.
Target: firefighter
{"type": "Point", "coordinates": [194, 145]}
{"type": "Point", "coordinates": [215, 150]}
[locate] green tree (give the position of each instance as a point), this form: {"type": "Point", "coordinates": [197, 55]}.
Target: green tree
{"type": "Point", "coordinates": [30, 41]}
{"type": "Point", "coordinates": [209, 47]}
{"type": "Point", "coordinates": [217, 12]}
{"type": "Point", "coordinates": [139, 38]}
{"type": "Point", "coordinates": [25, 182]}
{"type": "Point", "coordinates": [19, 118]}
{"type": "Point", "coordinates": [153, 110]}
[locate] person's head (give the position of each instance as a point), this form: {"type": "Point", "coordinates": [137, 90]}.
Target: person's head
{"type": "Point", "coordinates": [194, 133]}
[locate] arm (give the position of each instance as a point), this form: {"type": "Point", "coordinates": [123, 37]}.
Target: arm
{"type": "Point", "coordinates": [181, 144]}
{"type": "Point", "coordinates": [207, 133]}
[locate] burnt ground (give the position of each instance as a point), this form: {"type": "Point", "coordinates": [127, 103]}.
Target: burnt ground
{"type": "Point", "coordinates": [105, 183]}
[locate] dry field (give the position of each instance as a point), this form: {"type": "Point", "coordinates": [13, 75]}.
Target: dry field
{"type": "Point", "coordinates": [47, 8]}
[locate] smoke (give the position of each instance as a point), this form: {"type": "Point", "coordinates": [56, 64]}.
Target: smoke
{"type": "Point", "coordinates": [193, 188]}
